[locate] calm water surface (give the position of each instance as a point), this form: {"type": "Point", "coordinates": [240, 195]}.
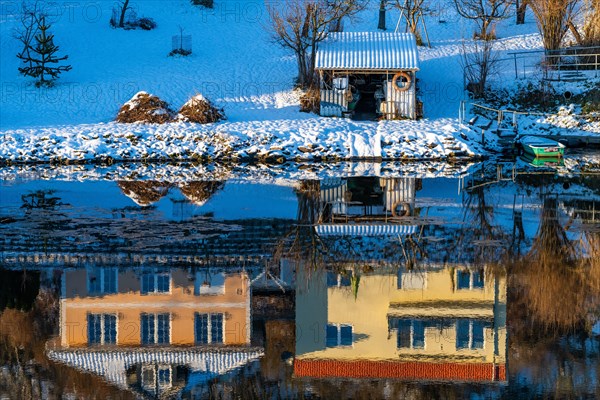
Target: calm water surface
{"type": "Point", "coordinates": [482, 284]}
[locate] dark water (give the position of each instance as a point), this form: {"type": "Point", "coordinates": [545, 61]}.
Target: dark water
{"type": "Point", "coordinates": [483, 283]}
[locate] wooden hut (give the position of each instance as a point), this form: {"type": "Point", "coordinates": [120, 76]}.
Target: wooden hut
{"type": "Point", "coordinates": [368, 75]}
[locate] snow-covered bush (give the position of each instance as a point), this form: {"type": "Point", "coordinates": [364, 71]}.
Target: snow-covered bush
{"type": "Point", "coordinates": [205, 3]}
{"type": "Point", "coordinates": [144, 193]}
{"type": "Point", "coordinates": [200, 110]}
{"type": "Point", "coordinates": [123, 16]}
{"type": "Point", "coordinates": [199, 192]}
{"type": "Point", "coordinates": [310, 101]}
{"type": "Point", "coordinates": [146, 108]}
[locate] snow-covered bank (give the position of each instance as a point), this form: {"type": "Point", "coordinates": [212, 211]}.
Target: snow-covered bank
{"type": "Point", "coordinates": [235, 64]}
{"type": "Point", "coordinates": [281, 174]}
{"type": "Point", "coordinates": [311, 138]}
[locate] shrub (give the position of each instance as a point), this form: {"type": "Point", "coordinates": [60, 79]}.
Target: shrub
{"type": "Point", "coordinates": [199, 192]}
{"type": "Point", "coordinates": [144, 193]}
{"type": "Point", "coordinates": [179, 52]}
{"type": "Point", "coordinates": [205, 3]}
{"type": "Point", "coordinates": [200, 110]}
{"type": "Point", "coordinates": [310, 101]}
{"type": "Point", "coordinates": [145, 108]}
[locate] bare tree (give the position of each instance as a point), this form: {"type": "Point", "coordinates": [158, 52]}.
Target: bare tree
{"type": "Point", "coordinates": [521, 6]}
{"type": "Point", "coordinates": [124, 7]}
{"type": "Point", "coordinates": [553, 18]}
{"type": "Point", "coordinates": [478, 65]}
{"type": "Point", "coordinates": [382, 9]}
{"type": "Point", "coordinates": [412, 10]}
{"type": "Point", "coordinates": [590, 33]}
{"type": "Point", "coordinates": [301, 25]}
{"type": "Point", "coordinates": [485, 13]}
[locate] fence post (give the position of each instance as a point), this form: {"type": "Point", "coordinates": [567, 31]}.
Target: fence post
{"type": "Point", "coordinates": [515, 123]}
{"type": "Point", "coordinates": [516, 69]}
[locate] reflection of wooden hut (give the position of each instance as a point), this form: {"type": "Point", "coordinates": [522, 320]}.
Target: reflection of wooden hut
{"type": "Point", "coordinates": [366, 199]}
{"type": "Point", "coordinates": [144, 193]}
{"type": "Point", "coordinates": [372, 72]}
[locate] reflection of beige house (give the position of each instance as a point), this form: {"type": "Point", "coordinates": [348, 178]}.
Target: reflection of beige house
{"type": "Point", "coordinates": [154, 330]}
{"type": "Point", "coordinates": [446, 324]}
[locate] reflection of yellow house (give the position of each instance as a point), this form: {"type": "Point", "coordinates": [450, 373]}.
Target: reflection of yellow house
{"type": "Point", "coordinates": [154, 330]}
{"type": "Point", "coordinates": [446, 324]}
{"type": "Point", "coordinates": [105, 306]}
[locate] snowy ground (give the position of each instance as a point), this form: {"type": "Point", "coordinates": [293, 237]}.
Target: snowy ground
{"type": "Point", "coordinates": [235, 64]}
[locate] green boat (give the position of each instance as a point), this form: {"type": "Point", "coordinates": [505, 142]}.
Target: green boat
{"type": "Point", "coordinates": [542, 147]}
{"type": "Point", "coordinates": [550, 162]}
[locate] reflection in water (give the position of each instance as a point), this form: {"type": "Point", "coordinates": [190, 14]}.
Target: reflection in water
{"type": "Point", "coordinates": [444, 323]}
{"type": "Point", "coordinates": [361, 287]}
{"type": "Point", "coordinates": [154, 330]}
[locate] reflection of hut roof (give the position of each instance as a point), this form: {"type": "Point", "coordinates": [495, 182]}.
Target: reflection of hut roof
{"type": "Point", "coordinates": [112, 365]}
{"type": "Point", "coordinates": [409, 370]}
{"type": "Point", "coordinates": [364, 229]}
{"type": "Point", "coordinates": [144, 193]}
{"type": "Point", "coordinates": [199, 192]}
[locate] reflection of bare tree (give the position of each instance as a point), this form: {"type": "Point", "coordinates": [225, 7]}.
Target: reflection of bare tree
{"type": "Point", "coordinates": [551, 242]}
{"type": "Point", "coordinates": [480, 235]}
{"type": "Point", "coordinates": [302, 243]}
{"type": "Point", "coordinates": [144, 193]}
{"type": "Point", "coordinates": [553, 287]}
{"type": "Point", "coordinates": [29, 374]}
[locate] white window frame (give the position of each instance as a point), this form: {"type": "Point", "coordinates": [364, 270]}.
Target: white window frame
{"type": "Point", "coordinates": [155, 337]}
{"type": "Point", "coordinates": [102, 330]}
{"type": "Point", "coordinates": [412, 337]}
{"type": "Point", "coordinates": [155, 276]}
{"type": "Point", "coordinates": [339, 335]}
{"type": "Point", "coordinates": [102, 274]}
{"type": "Point", "coordinates": [150, 386]}
{"type": "Point", "coordinates": [470, 346]}
{"type": "Point", "coordinates": [209, 326]}
{"type": "Point", "coordinates": [471, 280]}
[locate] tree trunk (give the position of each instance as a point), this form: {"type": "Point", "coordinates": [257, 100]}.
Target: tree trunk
{"type": "Point", "coordinates": [521, 11]}
{"type": "Point", "coordinates": [484, 28]}
{"type": "Point", "coordinates": [575, 32]}
{"type": "Point", "coordinates": [381, 24]}
{"type": "Point", "coordinates": [123, 11]}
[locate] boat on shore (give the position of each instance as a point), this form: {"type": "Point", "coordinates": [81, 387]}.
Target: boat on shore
{"type": "Point", "coordinates": [542, 147]}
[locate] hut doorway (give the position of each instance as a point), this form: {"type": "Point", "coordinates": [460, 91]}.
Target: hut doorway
{"type": "Point", "coordinates": [370, 89]}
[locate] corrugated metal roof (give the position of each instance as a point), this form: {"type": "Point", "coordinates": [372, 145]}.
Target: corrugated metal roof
{"type": "Point", "coordinates": [368, 50]}
{"type": "Point", "coordinates": [364, 229]}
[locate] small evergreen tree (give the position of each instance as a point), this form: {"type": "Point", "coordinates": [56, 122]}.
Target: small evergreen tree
{"type": "Point", "coordinates": [40, 57]}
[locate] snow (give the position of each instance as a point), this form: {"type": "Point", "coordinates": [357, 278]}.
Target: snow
{"type": "Point", "coordinates": [311, 138]}
{"type": "Point", "coordinates": [236, 65]}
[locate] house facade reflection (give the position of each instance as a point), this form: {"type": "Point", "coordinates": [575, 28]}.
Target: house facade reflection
{"type": "Point", "coordinates": [155, 330]}
{"type": "Point", "coordinates": [444, 323]}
